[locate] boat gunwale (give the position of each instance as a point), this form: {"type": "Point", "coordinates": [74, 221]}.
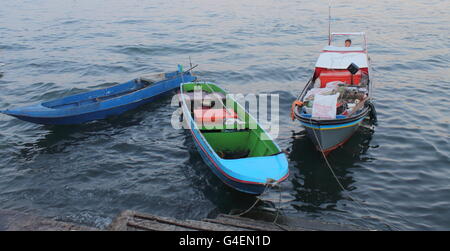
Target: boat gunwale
{"type": "Point", "coordinates": [247, 113]}
{"type": "Point", "coordinates": [102, 98]}
{"type": "Point", "coordinates": [193, 126]}
{"type": "Point", "coordinates": [125, 93]}
{"type": "Point", "coordinates": [318, 122]}
{"type": "Point", "coordinates": [85, 113]}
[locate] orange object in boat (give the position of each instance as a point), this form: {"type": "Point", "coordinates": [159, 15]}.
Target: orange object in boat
{"type": "Point", "coordinates": [213, 115]}
{"type": "Point", "coordinates": [327, 76]}
{"type": "Point", "coordinates": [294, 104]}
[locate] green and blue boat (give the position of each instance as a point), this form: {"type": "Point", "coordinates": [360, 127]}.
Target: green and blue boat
{"type": "Point", "coordinates": [230, 141]}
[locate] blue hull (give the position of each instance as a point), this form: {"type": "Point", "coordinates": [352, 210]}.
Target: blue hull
{"type": "Point", "coordinates": [86, 117]}
{"type": "Point", "coordinates": [255, 189]}
{"type": "Point", "coordinates": [99, 104]}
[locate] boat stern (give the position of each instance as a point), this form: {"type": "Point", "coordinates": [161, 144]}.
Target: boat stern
{"type": "Point", "coordinates": [263, 171]}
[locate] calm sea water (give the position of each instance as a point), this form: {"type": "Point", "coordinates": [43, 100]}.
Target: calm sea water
{"type": "Point", "coordinates": [398, 172]}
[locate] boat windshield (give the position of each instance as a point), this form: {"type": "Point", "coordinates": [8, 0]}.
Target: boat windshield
{"type": "Point", "coordinates": [348, 41]}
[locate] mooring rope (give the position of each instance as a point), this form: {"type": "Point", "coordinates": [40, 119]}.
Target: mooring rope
{"type": "Point", "coordinates": [340, 184]}
{"type": "Point", "coordinates": [256, 201]}
{"type": "Point", "coordinates": [278, 211]}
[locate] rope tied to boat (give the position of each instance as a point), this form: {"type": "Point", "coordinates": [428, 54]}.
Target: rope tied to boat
{"type": "Point", "coordinates": [258, 199]}
{"type": "Point", "coordinates": [270, 183]}
{"type": "Point", "coordinates": [343, 188]}
{"type": "Point", "coordinates": [294, 104]}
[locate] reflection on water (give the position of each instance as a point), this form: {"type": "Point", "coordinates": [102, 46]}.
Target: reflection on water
{"type": "Point", "coordinates": [224, 198]}
{"type": "Point", "coordinates": [315, 186]}
{"type": "Point", "coordinates": [56, 139]}
{"type": "Point", "coordinates": [89, 173]}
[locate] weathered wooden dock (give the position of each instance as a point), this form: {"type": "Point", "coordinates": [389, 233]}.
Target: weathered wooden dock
{"type": "Point", "coordinates": [135, 221]}
{"type": "Point", "coordinates": [132, 221]}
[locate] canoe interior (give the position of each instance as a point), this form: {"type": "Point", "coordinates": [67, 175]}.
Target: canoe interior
{"type": "Point", "coordinates": [234, 143]}
{"type": "Point", "coordinates": [98, 95]}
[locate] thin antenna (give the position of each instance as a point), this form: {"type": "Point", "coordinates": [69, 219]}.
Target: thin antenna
{"type": "Point", "coordinates": [190, 64]}
{"type": "Point", "coordinates": [329, 22]}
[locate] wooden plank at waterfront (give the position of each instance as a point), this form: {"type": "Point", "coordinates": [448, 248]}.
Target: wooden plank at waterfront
{"type": "Point", "coordinates": [185, 224]}
{"type": "Point", "coordinates": [131, 221]}
{"type": "Point", "coordinates": [251, 224]}
{"type": "Point", "coordinates": [135, 221]}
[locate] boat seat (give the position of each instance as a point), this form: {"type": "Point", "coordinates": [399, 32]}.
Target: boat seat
{"type": "Point", "coordinates": [153, 78]}
{"type": "Point", "coordinates": [211, 130]}
{"type": "Point", "coordinates": [213, 116]}
{"type": "Point", "coordinates": [234, 154]}
{"type": "Point", "coordinates": [142, 83]}
{"type": "Point", "coordinates": [205, 100]}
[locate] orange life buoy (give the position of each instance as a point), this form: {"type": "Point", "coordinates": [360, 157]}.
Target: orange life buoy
{"type": "Point", "coordinates": [294, 104]}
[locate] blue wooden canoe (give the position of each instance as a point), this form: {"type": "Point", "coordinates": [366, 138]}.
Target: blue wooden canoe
{"type": "Point", "coordinates": [100, 104]}
{"type": "Point", "coordinates": [242, 154]}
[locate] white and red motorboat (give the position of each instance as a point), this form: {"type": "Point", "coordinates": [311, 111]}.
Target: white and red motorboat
{"type": "Point", "coordinates": [338, 96]}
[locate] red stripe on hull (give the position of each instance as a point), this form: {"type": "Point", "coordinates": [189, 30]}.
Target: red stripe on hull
{"type": "Point", "coordinates": [345, 51]}
{"type": "Point", "coordinates": [330, 149]}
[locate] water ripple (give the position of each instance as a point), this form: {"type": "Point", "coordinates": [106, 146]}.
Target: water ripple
{"type": "Point", "coordinates": [398, 171]}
